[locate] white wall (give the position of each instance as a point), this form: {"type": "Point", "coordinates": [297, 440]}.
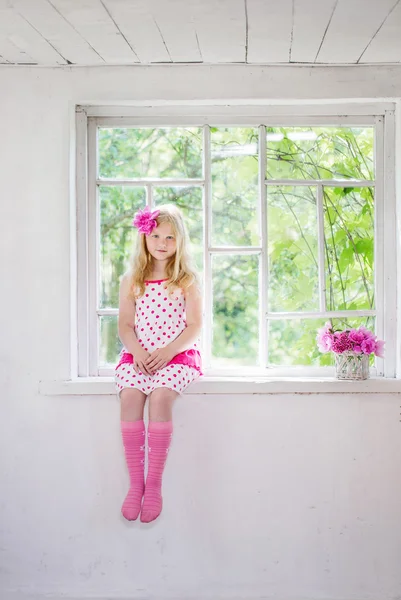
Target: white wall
{"type": "Point", "coordinates": [281, 497]}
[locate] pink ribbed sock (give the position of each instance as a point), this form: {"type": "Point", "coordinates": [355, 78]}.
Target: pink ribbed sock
{"type": "Point", "coordinates": [133, 434]}
{"type": "Point", "coordinates": [159, 438]}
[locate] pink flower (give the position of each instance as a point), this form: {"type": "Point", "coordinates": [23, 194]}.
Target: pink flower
{"type": "Point", "coordinates": [379, 349]}
{"type": "Point", "coordinates": [357, 349]}
{"type": "Point", "coordinates": [368, 345]}
{"type": "Point", "coordinates": [342, 343]}
{"type": "Point", "coordinates": [368, 334]}
{"type": "Point", "coordinates": [145, 220]}
{"type": "Point", "coordinates": [357, 336]}
{"type": "Point", "coordinates": [324, 338]}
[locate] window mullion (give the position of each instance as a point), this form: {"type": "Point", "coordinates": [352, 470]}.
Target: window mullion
{"type": "Point", "coordinates": [320, 240]}
{"type": "Point", "coordinates": [93, 250]}
{"type": "Point", "coordinates": [149, 195]}
{"type": "Point", "coordinates": [82, 228]}
{"type": "Point", "coordinates": [207, 263]}
{"type": "Point", "coordinates": [263, 261]}
{"type": "Point", "coordinates": [386, 243]}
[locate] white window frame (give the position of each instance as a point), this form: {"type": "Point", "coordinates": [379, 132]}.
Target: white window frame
{"type": "Point", "coordinates": [380, 115]}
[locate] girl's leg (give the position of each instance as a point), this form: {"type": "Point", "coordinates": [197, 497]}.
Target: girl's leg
{"type": "Point", "coordinates": [133, 435]}
{"type": "Point", "coordinates": [160, 431]}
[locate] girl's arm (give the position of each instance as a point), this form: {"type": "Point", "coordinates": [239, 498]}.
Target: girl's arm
{"type": "Point", "coordinates": [193, 309]}
{"type": "Point", "coordinates": [126, 318]}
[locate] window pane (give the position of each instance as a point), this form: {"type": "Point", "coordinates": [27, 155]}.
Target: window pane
{"type": "Point", "coordinates": [235, 310]}
{"type": "Point", "coordinates": [146, 152]}
{"type": "Point", "coordinates": [293, 341]}
{"type": "Point", "coordinates": [349, 247]}
{"type": "Point", "coordinates": [320, 152]}
{"type": "Point", "coordinates": [234, 186]}
{"type": "Point", "coordinates": [117, 208]}
{"type": "Point", "coordinates": [109, 342]}
{"type": "Point", "coordinates": [292, 248]}
{"type": "Point", "coordinates": [189, 200]}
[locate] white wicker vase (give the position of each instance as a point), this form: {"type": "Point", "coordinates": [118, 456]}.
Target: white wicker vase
{"type": "Point", "coordinates": [352, 366]}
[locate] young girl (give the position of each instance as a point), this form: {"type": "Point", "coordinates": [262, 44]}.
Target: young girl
{"type": "Point", "coordinates": [160, 318]}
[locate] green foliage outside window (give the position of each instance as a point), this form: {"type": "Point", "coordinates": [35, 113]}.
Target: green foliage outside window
{"type": "Point", "coordinates": [293, 153]}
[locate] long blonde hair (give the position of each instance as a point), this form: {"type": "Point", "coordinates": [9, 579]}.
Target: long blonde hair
{"type": "Point", "coordinates": [179, 271]}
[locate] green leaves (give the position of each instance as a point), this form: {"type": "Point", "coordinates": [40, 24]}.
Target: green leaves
{"type": "Point", "coordinates": [296, 153]}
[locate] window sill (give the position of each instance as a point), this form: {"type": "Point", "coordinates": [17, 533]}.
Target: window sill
{"type": "Point", "coordinates": [104, 386]}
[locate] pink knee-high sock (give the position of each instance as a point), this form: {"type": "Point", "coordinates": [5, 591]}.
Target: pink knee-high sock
{"type": "Point", "coordinates": [159, 438]}
{"type": "Point", "coordinates": [133, 434]}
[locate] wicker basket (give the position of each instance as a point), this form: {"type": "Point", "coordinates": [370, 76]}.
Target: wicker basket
{"type": "Point", "coordinates": [352, 366]}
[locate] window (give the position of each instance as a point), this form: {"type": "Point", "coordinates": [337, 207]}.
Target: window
{"type": "Point", "coordinates": [287, 220]}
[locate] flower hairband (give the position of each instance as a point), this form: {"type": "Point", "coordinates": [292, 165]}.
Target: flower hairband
{"type": "Point", "coordinates": [145, 220]}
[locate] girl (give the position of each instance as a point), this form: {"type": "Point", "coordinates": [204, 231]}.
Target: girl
{"type": "Point", "coordinates": [160, 318]}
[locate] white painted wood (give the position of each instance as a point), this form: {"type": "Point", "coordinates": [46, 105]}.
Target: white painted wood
{"type": "Point", "coordinates": [236, 118]}
{"type": "Point", "coordinates": [269, 31]}
{"type": "Point", "coordinates": [263, 260]}
{"type": "Point", "coordinates": [398, 232]}
{"type": "Point", "coordinates": [93, 22]}
{"type": "Point", "coordinates": [325, 182]}
{"type": "Point", "coordinates": [27, 39]}
{"type": "Point", "coordinates": [353, 24]}
{"type": "Point", "coordinates": [311, 18]}
{"type": "Point", "coordinates": [43, 17]}
{"type": "Point", "coordinates": [379, 243]}
{"type": "Point", "coordinates": [320, 243]}
{"type": "Point", "coordinates": [140, 182]}
{"type": "Point", "coordinates": [105, 386]}
{"type": "Point", "coordinates": [93, 251]}
{"type": "Point", "coordinates": [321, 314]}
{"type": "Point", "coordinates": [113, 32]}
{"type": "Point", "coordinates": [13, 54]}
{"type": "Point", "coordinates": [390, 247]}
{"type": "Point", "coordinates": [235, 249]}
{"type": "Point", "coordinates": [136, 21]}
{"type": "Point", "coordinates": [247, 107]}
{"type": "Point", "coordinates": [385, 45]}
{"type": "Point", "coordinates": [221, 29]}
{"type": "Point", "coordinates": [174, 19]}
{"type": "Point", "coordinates": [82, 333]}
{"type": "Point", "coordinates": [207, 331]}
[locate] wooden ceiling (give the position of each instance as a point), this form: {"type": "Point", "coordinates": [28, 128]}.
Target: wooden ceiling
{"type": "Point", "coordinates": [132, 32]}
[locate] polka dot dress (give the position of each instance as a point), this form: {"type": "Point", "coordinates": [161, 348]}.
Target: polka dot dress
{"type": "Point", "coordinates": [159, 319]}
{"type": "Point", "coordinates": [175, 377]}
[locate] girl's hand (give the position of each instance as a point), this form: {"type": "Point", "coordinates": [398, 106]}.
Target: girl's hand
{"type": "Point", "coordinates": [159, 359]}
{"type": "Point", "coordinates": [140, 358]}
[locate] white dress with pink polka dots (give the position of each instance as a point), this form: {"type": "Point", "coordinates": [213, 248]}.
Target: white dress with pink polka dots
{"type": "Point", "coordinates": [159, 319]}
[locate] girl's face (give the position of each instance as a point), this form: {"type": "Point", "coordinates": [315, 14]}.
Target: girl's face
{"type": "Point", "coordinates": [161, 243]}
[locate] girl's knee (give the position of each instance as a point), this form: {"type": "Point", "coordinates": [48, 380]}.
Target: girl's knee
{"type": "Point", "coordinates": [162, 395]}
{"type": "Point", "coordinates": [132, 396]}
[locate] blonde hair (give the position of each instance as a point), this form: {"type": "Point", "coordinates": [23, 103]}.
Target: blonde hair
{"type": "Point", "coordinates": [179, 271]}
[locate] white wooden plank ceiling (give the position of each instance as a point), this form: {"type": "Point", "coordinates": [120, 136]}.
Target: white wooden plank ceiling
{"type": "Point", "coordinates": [121, 32]}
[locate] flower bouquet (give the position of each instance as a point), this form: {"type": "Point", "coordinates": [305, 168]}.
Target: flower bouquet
{"type": "Point", "coordinates": [352, 349]}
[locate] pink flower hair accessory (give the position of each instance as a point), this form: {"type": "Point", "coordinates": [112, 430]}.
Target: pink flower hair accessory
{"type": "Point", "coordinates": [145, 220]}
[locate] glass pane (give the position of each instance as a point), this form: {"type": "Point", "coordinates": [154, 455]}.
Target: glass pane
{"type": "Point", "coordinates": [109, 342]}
{"type": "Point", "coordinates": [349, 248]}
{"type": "Point", "coordinates": [234, 186]}
{"type": "Point", "coordinates": [320, 152]}
{"type": "Point", "coordinates": [235, 310]}
{"type": "Point", "coordinates": [293, 341]}
{"type": "Point", "coordinates": [146, 152]}
{"type": "Point", "coordinates": [292, 248]}
{"type": "Point", "coordinates": [189, 200]}
{"type": "Point", "coordinates": [118, 205]}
